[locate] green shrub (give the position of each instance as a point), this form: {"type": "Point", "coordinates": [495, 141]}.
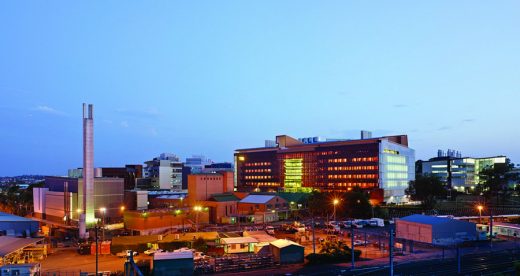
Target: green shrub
{"type": "Point", "coordinates": [333, 252]}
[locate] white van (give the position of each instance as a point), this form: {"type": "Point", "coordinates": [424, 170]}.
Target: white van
{"type": "Point", "coordinates": [376, 222]}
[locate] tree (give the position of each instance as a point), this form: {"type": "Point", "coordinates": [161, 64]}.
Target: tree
{"type": "Point", "coordinates": [427, 189]}
{"type": "Point", "coordinates": [495, 179]}
{"type": "Point", "coordinates": [356, 204]}
{"type": "Point", "coordinates": [318, 203]}
{"type": "Point", "coordinates": [200, 245]}
{"type": "Point", "coordinates": [333, 252]}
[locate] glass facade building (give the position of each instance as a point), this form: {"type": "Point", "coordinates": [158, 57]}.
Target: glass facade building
{"type": "Point", "coordinates": [461, 173]}
{"type": "Point", "coordinates": [381, 166]}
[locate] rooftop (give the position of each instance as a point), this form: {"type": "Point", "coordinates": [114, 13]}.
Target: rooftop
{"type": "Point", "coordinates": [224, 197]}
{"type": "Point", "coordinates": [257, 199]}
{"type": "Point", "coordinates": [281, 243]}
{"type": "Point", "coordinates": [260, 236]}
{"type": "Point", "coordinates": [12, 218]}
{"type": "Point", "coordinates": [9, 244]}
{"type": "Point", "coordinates": [295, 145]}
{"type": "Point", "coordinates": [432, 220]}
{"type": "Point", "coordinates": [238, 240]}
{"type": "Point", "coordinates": [173, 255]}
{"type": "Point", "coordinates": [190, 236]}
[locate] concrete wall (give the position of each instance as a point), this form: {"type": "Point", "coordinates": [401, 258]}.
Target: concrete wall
{"type": "Point", "coordinates": [454, 231]}
{"type": "Point", "coordinates": [202, 186]}
{"type": "Point", "coordinates": [173, 267]}
{"type": "Point", "coordinates": [413, 231]}
{"type": "Point", "coordinates": [288, 255]}
{"type": "Point", "coordinates": [19, 228]}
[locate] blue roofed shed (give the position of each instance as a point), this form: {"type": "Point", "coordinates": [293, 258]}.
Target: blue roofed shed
{"type": "Point", "coordinates": [435, 230]}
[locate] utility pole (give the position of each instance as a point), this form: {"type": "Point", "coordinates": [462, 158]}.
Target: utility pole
{"type": "Point", "coordinates": [459, 266]}
{"type": "Point", "coordinates": [96, 231]}
{"type": "Point", "coordinates": [490, 229]}
{"type": "Point", "coordinates": [391, 247]}
{"type": "Point", "coordinates": [313, 237]}
{"type": "Point", "coordinates": [352, 245]}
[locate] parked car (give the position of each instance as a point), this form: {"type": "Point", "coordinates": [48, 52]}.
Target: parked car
{"type": "Point", "coordinates": [84, 249]}
{"type": "Point", "coordinates": [126, 253]}
{"type": "Point", "coordinates": [345, 224]}
{"type": "Point", "coordinates": [360, 242]}
{"type": "Point", "coordinates": [269, 230]}
{"type": "Point", "coordinates": [152, 251]}
{"type": "Point", "coordinates": [332, 229]}
{"type": "Point", "coordinates": [376, 222]}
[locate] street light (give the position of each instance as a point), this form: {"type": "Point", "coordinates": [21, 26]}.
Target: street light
{"type": "Point", "coordinates": [479, 208]}
{"type": "Point", "coordinates": [335, 202]}
{"type": "Point", "coordinates": [103, 211]}
{"type": "Point", "coordinates": [197, 209]}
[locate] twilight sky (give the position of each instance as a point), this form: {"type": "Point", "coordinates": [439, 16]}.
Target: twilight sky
{"type": "Point", "coordinates": [208, 77]}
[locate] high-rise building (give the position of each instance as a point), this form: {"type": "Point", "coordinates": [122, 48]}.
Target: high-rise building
{"type": "Point", "coordinates": [460, 173]}
{"type": "Point", "coordinates": [165, 172]}
{"type": "Point", "coordinates": [382, 166]}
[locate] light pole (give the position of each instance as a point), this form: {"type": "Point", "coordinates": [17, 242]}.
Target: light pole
{"type": "Point", "coordinates": [197, 209]}
{"type": "Point", "coordinates": [103, 211]}
{"type": "Point", "coordinates": [480, 207]}
{"type": "Point", "coordinates": [335, 202]}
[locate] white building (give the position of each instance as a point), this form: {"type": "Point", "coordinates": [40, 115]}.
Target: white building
{"type": "Point", "coordinates": [165, 172]}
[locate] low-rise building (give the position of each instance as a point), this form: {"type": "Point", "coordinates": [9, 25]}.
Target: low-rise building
{"type": "Point", "coordinates": [12, 225]}
{"type": "Point", "coordinates": [435, 230]}
{"type": "Point", "coordinates": [239, 245]}
{"type": "Point", "coordinates": [222, 208]}
{"type": "Point", "coordinates": [173, 263]}
{"type": "Point", "coordinates": [262, 208]}
{"type": "Point", "coordinates": [287, 252]}
{"type": "Point", "coordinates": [32, 269]}
{"type": "Point", "coordinates": [61, 197]}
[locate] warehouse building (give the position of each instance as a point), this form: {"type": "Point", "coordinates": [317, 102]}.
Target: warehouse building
{"type": "Point", "coordinates": [11, 225]}
{"type": "Point", "coordinates": [435, 230]}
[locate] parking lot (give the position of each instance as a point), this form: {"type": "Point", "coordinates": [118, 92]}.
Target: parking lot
{"type": "Point", "coordinates": [68, 260]}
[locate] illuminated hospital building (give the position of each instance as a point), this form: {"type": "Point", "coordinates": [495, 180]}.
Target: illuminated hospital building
{"type": "Point", "coordinates": [382, 166]}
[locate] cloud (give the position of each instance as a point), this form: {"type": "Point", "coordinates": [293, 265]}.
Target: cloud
{"type": "Point", "coordinates": [469, 120]}
{"type": "Point", "coordinates": [50, 110]}
{"type": "Point", "coordinates": [400, 105]}
{"type": "Point", "coordinates": [124, 124]}
{"type": "Point", "coordinates": [444, 128]}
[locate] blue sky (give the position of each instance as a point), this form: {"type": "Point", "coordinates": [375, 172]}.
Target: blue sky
{"type": "Point", "coordinates": [207, 77]}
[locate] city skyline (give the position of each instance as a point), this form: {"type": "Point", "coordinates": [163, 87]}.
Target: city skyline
{"type": "Point", "coordinates": [186, 79]}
